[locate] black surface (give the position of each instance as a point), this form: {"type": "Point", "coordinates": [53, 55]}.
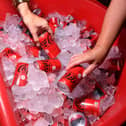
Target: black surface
{"type": "Point", "coordinates": [105, 2]}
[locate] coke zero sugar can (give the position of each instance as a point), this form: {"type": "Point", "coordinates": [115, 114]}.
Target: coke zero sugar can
{"type": "Point", "coordinates": [47, 44]}
{"type": "Point", "coordinates": [70, 79]}
{"type": "Point", "coordinates": [54, 21]}
{"type": "Point", "coordinates": [77, 119]}
{"type": "Point", "coordinates": [49, 65]}
{"type": "Point", "coordinates": [33, 51]}
{"type": "Point", "coordinates": [89, 106]}
{"type": "Point", "coordinates": [9, 53]}
{"type": "Point", "coordinates": [37, 11]}
{"type": "Point", "coordinates": [20, 76]}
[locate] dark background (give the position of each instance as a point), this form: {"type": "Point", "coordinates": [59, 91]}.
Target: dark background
{"type": "Point", "coordinates": [105, 2]}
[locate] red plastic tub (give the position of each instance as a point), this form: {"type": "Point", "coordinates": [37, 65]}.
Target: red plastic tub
{"type": "Point", "coordinates": [94, 13]}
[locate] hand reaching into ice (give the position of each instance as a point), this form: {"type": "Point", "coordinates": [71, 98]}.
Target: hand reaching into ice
{"type": "Point", "coordinates": [109, 32]}
{"type": "Point", "coordinates": [32, 21]}
{"type": "Point", "coordinates": [93, 56]}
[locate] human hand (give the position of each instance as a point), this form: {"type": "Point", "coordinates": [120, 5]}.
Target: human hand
{"type": "Point", "coordinates": [32, 21]}
{"type": "Point", "coordinates": [93, 56]}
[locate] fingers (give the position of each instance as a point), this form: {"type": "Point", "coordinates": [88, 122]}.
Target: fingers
{"type": "Point", "coordinates": [35, 36]}
{"type": "Point", "coordinates": [50, 31]}
{"type": "Point", "coordinates": [89, 69]}
{"type": "Point", "coordinates": [44, 25]}
{"type": "Point", "coordinates": [80, 58]}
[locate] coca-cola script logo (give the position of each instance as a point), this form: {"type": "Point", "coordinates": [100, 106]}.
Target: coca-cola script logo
{"type": "Point", "coordinates": [7, 52]}
{"type": "Point", "coordinates": [72, 77]}
{"type": "Point", "coordinates": [22, 68]}
{"type": "Point", "coordinates": [47, 41]}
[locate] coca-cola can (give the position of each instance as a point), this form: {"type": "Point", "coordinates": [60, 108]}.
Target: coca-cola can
{"type": "Point", "coordinates": [88, 106]}
{"type": "Point", "coordinates": [94, 37]}
{"type": "Point", "coordinates": [49, 65]}
{"type": "Point", "coordinates": [53, 27]}
{"type": "Point", "coordinates": [70, 19]}
{"type": "Point", "coordinates": [11, 54]}
{"type": "Point", "coordinates": [1, 28]}
{"type": "Point", "coordinates": [78, 119]}
{"type": "Point", "coordinates": [37, 11]}
{"type": "Point", "coordinates": [101, 92]}
{"type": "Point", "coordinates": [33, 51]}
{"type": "Point", "coordinates": [87, 28]}
{"type": "Point", "coordinates": [20, 76]}
{"type": "Point", "coordinates": [54, 21]}
{"type": "Point", "coordinates": [49, 45]}
{"type": "Point", "coordinates": [70, 79]}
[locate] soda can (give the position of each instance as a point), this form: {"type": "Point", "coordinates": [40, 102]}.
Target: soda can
{"type": "Point", "coordinates": [54, 21]}
{"type": "Point", "coordinates": [93, 38]}
{"type": "Point", "coordinates": [70, 19]}
{"type": "Point", "coordinates": [63, 24]}
{"type": "Point", "coordinates": [37, 11]}
{"type": "Point", "coordinates": [49, 45]}
{"type": "Point", "coordinates": [88, 106]}
{"type": "Point", "coordinates": [70, 79]}
{"type": "Point", "coordinates": [87, 28]}
{"type": "Point", "coordinates": [77, 119]}
{"type": "Point", "coordinates": [1, 28]}
{"type": "Point", "coordinates": [49, 65]}
{"type": "Point", "coordinates": [20, 76]}
{"type": "Point", "coordinates": [33, 51]}
{"type": "Point", "coordinates": [53, 27]}
{"type": "Point", "coordinates": [11, 54]}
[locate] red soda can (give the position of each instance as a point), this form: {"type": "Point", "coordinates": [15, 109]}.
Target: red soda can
{"type": "Point", "coordinates": [49, 45]}
{"type": "Point", "coordinates": [100, 90]}
{"type": "Point", "coordinates": [12, 55]}
{"type": "Point", "coordinates": [20, 76]}
{"type": "Point", "coordinates": [63, 24]}
{"type": "Point", "coordinates": [88, 106]}
{"type": "Point", "coordinates": [94, 37]}
{"type": "Point", "coordinates": [49, 65]}
{"type": "Point", "coordinates": [37, 11]}
{"type": "Point", "coordinates": [116, 64]}
{"type": "Point", "coordinates": [54, 21]}
{"type": "Point", "coordinates": [58, 124]}
{"type": "Point", "coordinates": [87, 28]}
{"type": "Point", "coordinates": [77, 119]}
{"type": "Point", "coordinates": [53, 27]}
{"type": "Point", "coordinates": [1, 28]}
{"type": "Point", "coordinates": [70, 79]}
{"type": "Point", "coordinates": [33, 51]}
{"type": "Point", "coordinates": [70, 19]}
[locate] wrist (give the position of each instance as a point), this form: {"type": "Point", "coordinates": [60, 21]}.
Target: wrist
{"type": "Point", "coordinates": [24, 9]}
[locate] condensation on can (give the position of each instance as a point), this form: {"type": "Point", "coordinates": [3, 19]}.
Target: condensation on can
{"type": "Point", "coordinates": [70, 79]}
{"type": "Point", "coordinates": [49, 65]}
{"type": "Point", "coordinates": [49, 45]}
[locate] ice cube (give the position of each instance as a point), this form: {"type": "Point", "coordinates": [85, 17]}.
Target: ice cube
{"type": "Point", "coordinates": [37, 78]}
{"type": "Point", "coordinates": [41, 122]}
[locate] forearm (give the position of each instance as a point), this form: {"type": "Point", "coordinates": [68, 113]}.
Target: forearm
{"type": "Point", "coordinates": [23, 9]}
{"type": "Point", "coordinates": [22, 6]}
{"type": "Point", "coordinates": [114, 18]}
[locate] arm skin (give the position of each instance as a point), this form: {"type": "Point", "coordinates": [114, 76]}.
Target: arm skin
{"type": "Point", "coordinates": [32, 21]}
{"type": "Point", "coordinates": [114, 18]}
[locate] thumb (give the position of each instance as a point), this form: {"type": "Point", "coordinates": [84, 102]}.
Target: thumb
{"type": "Point", "coordinates": [89, 69]}
{"type": "Point", "coordinates": [35, 36]}
{"type": "Point", "coordinates": [36, 39]}
{"type": "Point", "coordinates": [49, 30]}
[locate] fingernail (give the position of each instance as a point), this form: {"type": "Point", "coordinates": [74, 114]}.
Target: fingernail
{"type": "Point", "coordinates": [84, 75]}
{"type": "Point", "coordinates": [37, 44]}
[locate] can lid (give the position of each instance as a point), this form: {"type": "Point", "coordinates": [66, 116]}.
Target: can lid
{"type": "Point", "coordinates": [77, 119]}
{"type": "Point", "coordinates": [63, 87]}
{"type": "Point", "coordinates": [36, 64]}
